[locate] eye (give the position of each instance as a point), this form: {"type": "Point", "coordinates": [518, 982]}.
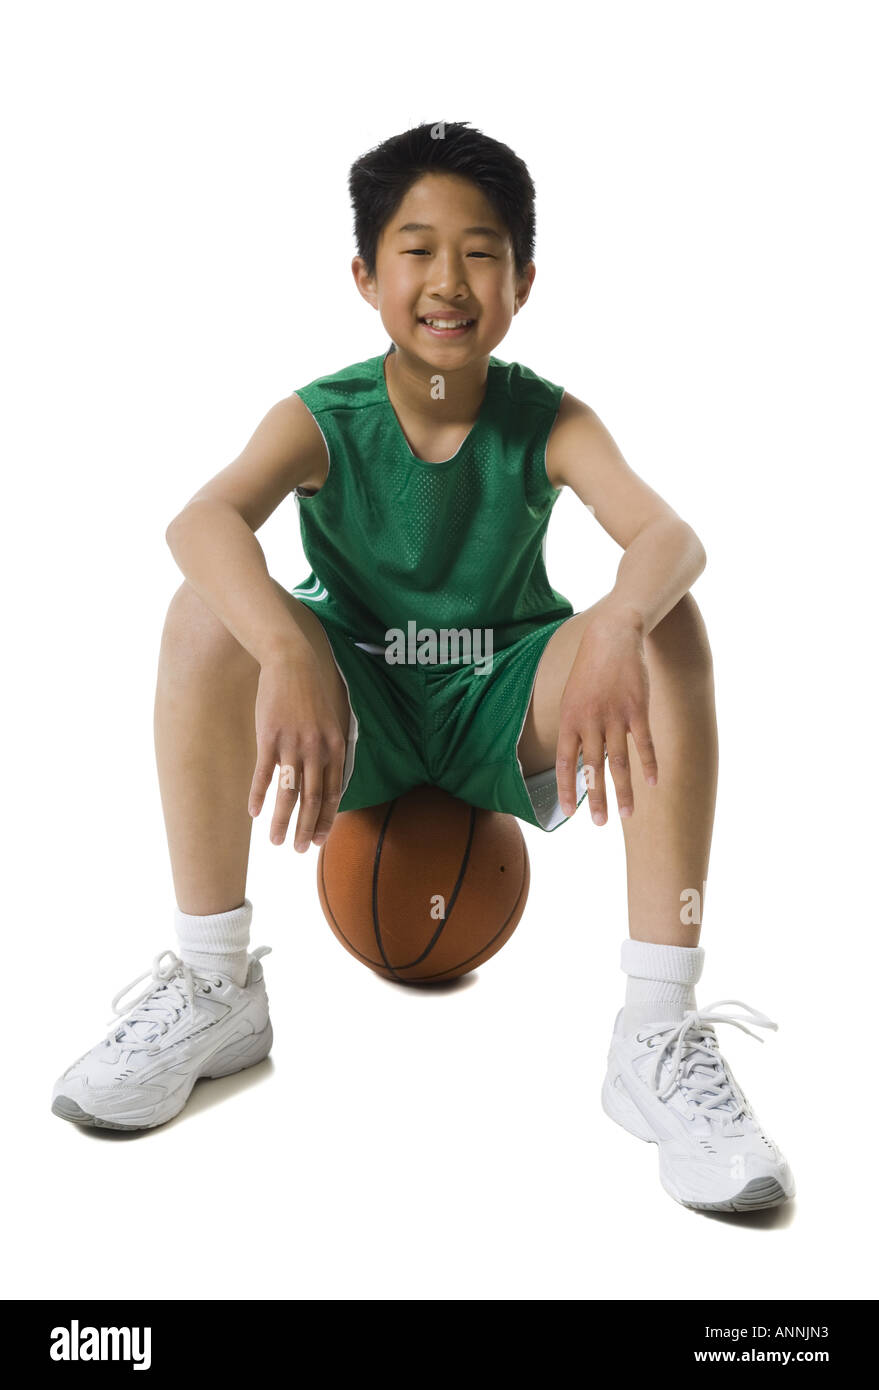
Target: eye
{"type": "Point", "coordinates": [420, 251]}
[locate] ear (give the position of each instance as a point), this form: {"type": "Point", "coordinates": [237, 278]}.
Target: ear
{"type": "Point", "coordinates": [365, 283]}
{"type": "Point", "coordinates": [523, 286]}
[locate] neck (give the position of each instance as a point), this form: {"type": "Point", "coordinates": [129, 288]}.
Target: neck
{"type": "Point", "coordinates": [413, 388]}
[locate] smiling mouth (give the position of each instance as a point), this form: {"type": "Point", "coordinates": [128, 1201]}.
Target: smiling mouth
{"type": "Point", "coordinates": [445, 325]}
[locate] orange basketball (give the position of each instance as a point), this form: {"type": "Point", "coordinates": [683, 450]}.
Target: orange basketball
{"type": "Point", "coordinates": [425, 887]}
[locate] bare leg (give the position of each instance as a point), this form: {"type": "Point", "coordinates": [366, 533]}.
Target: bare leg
{"type": "Point", "coordinates": [668, 839]}
{"type": "Point", "coordinates": [205, 737]}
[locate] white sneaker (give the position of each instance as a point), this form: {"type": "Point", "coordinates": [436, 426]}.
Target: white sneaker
{"type": "Point", "coordinates": [184, 1025]}
{"type": "Point", "coordinates": [669, 1085]}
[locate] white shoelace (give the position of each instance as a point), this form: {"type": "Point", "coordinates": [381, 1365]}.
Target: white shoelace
{"type": "Point", "coordinates": [171, 989]}
{"type": "Point", "coordinates": [696, 1061]}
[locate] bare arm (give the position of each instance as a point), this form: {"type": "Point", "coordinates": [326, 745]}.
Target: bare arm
{"type": "Point", "coordinates": [606, 696]}
{"type": "Point", "coordinates": [659, 566]}
{"type": "Point", "coordinates": [213, 538]}
{"type": "Point", "coordinates": [663, 555]}
{"type": "Point", "coordinates": [226, 565]}
{"type": "Point", "coordinates": [213, 541]}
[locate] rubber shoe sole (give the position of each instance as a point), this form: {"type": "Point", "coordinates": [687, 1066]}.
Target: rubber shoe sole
{"type": "Point", "coordinates": [754, 1196]}
{"type": "Point", "coordinates": [235, 1056]}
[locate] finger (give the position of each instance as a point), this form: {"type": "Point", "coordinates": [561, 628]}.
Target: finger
{"type": "Point", "coordinates": [567, 752]}
{"type": "Point", "coordinates": [289, 784]}
{"type": "Point", "coordinates": [262, 779]}
{"type": "Point", "coordinates": [640, 731]}
{"type": "Point", "coordinates": [594, 749]}
{"type": "Point", "coordinates": [290, 776]}
{"type": "Point", "coordinates": [332, 790]}
{"type": "Point", "coordinates": [618, 763]}
{"type": "Point", "coordinates": [310, 800]}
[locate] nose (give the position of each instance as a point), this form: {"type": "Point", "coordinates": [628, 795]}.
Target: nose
{"type": "Point", "coordinates": [448, 277]}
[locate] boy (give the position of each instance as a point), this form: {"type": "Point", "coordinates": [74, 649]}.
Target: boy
{"type": "Point", "coordinates": [425, 479]}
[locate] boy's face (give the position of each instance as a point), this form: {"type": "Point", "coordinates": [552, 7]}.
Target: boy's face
{"type": "Point", "coordinates": [445, 269]}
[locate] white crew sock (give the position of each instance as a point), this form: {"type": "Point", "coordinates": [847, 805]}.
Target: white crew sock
{"type": "Point", "coordinates": [660, 984]}
{"type": "Point", "coordinates": [217, 942]}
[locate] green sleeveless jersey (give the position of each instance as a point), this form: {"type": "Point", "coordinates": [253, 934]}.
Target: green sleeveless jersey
{"type": "Point", "coordinates": [460, 544]}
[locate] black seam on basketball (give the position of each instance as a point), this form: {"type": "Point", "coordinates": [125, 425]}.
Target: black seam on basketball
{"type": "Point", "coordinates": [451, 903]}
{"type": "Point", "coordinates": [367, 960]}
{"type": "Point", "coordinates": [455, 891]}
{"type": "Point", "coordinates": [425, 978]}
{"type": "Point", "coordinates": [394, 972]}
{"type": "Point", "coordinates": [375, 868]}
{"type": "Point", "coordinates": [351, 947]}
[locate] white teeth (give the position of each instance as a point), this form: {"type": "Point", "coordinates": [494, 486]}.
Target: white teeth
{"type": "Point", "coordinates": [448, 323]}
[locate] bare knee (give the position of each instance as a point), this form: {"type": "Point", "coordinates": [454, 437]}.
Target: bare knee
{"type": "Point", "coordinates": [193, 633]}
{"type": "Point", "coordinates": [682, 637]}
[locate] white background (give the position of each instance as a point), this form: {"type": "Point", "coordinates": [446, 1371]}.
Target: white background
{"type": "Point", "coordinates": [177, 248]}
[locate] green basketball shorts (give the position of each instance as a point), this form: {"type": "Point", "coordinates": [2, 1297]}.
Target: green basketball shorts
{"type": "Point", "coordinates": [445, 725]}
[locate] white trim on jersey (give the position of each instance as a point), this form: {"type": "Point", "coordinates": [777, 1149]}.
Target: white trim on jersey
{"type": "Point", "coordinates": [316, 591]}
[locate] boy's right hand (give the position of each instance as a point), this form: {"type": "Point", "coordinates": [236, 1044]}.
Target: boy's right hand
{"type": "Point", "coordinates": [296, 729]}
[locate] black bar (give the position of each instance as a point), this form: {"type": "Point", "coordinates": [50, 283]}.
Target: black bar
{"type": "Point", "coordinates": [266, 1337]}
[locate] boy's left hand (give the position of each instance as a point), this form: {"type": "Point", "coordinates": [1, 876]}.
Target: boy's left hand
{"type": "Point", "coordinates": [606, 696]}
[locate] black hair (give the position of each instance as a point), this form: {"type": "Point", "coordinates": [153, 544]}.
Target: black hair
{"type": "Point", "coordinates": [380, 179]}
